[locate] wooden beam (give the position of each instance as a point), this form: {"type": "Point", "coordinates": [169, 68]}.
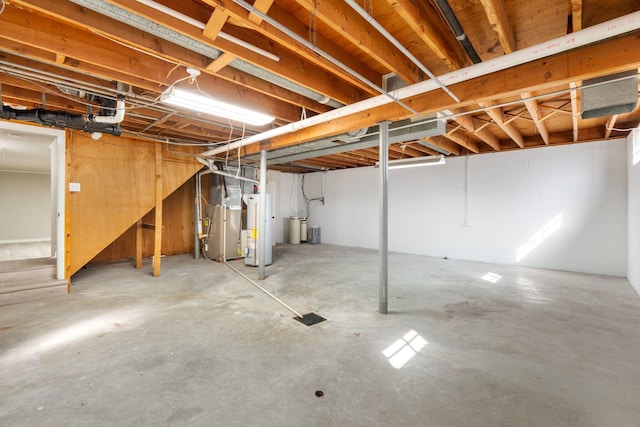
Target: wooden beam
{"type": "Point", "coordinates": [406, 149]}
{"type": "Point", "coordinates": [576, 14]}
{"type": "Point", "coordinates": [263, 6]}
{"type": "Point", "coordinates": [242, 18]}
{"type": "Point", "coordinates": [499, 19]}
{"type": "Point", "coordinates": [139, 244]}
{"type": "Point", "coordinates": [532, 107]}
{"type": "Point", "coordinates": [215, 23]}
{"type": "Point", "coordinates": [290, 66]}
{"type": "Point", "coordinates": [574, 110]}
{"type": "Point", "coordinates": [68, 265]}
{"type": "Point", "coordinates": [112, 61]}
{"type": "Point", "coordinates": [463, 140]}
{"type": "Point", "coordinates": [611, 123]}
{"type": "Point", "coordinates": [423, 149]}
{"type": "Point", "coordinates": [606, 57]}
{"type": "Point", "coordinates": [497, 116]}
{"type": "Point", "coordinates": [444, 144]}
{"type": "Point", "coordinates": [157, 241]}
{"type": "Point", "coordinates": [220, 62]}
{"type": "Point", "coordinates": [345, 21]}
{"type": "Point", "coordinates": [485, 135]}
{"type": "Point", "coordinates": [433, 32]}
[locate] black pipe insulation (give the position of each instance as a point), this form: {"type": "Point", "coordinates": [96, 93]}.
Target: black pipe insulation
{"type": "Point", "coordinates": [61, 120]}
{"type": "Point", "coordinates": [452, 19]}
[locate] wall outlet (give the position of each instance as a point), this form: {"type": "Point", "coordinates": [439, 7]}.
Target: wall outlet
{"type": "Point", "coordinates": [74, 187]}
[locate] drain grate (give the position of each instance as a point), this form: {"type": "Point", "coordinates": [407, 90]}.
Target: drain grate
{"type": "Point", "coordinates": [310, 319]}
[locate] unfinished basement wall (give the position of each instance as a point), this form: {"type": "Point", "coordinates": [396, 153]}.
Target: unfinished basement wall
{"type": "Point", "coordinates": [177, 233]}
{"type": "Point", "coordinates": [562, 207]}
{"type": "Point", "coordinates": [633, 165]}
{"type": "Point", "coordinates": [115, 182]}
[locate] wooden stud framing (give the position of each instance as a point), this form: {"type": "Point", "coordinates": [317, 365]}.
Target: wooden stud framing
{"type": "Point", "coordinates": [157, 245]}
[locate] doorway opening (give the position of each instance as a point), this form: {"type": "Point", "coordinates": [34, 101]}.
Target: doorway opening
{"type": "Point", "coordinates": [32, 187]}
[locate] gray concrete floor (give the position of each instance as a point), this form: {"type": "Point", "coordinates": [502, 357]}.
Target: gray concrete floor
{"type": "Point", "coordinates": [200, 346]}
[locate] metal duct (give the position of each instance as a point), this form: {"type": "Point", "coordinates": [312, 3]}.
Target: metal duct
{"type": "Point", "coordinates": [104, 8]}
{"type": "Point", "coordinates": [609, 95]}
{"type": "Point", "coordinates": [400, 131]}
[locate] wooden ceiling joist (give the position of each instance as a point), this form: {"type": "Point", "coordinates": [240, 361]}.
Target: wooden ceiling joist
{"type": "Point", "coordinates": [574, 110]}
{"type": "Point", "coordinates": [344, 20]}
{"type": "Point", "coordinates": [497, 116]}
{"type": "Point", "coordinates": [483, 134]}
{"type": "Point", "coordinates": [443, 144]}
{"type": "Point", "coordinates": [534, 112]}
{"type": "Point", "coordinates": [499, 19]}
{"type": "Point", "coordinates": [606, 57]}
{"type": "Point", "coordinates": [215, 23]}
{"type": "Point", "coordinates": [289, 67]}
{"type": "Point", "coordinates": [435, 33]}
{"type": "Point", "coordinates": [322, 52]}
{"type": "Point", "coordinates": [269, 32]}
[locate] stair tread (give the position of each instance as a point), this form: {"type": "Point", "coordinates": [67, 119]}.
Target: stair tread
{"type": "Point", "coordinates": [32, 295]}
{"type": "Point", "coordinates": [27, 264]}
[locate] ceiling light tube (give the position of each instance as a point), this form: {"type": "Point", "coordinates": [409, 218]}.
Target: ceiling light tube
{"type": "Point", "coordinates": [414, 162]}
{"type": "Point", "coordinates": [194, 22]}
{"type": "Point", "coordinates": [204, 104]}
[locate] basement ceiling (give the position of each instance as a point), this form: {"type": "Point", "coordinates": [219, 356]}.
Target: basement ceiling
{"type": "Point", "coordinates": [296, 59]}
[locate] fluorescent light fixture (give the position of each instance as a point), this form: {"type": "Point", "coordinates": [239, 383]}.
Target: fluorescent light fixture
{"type": "Point", "coordinates": [204, 104]}
{"type": "Point", "coordinates": [414, 162]}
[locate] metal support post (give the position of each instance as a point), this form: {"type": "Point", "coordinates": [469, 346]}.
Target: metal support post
{"type": "Point", "coordinates": [262, 216]}
{"type": "Point", "coordinates": [383, 275]}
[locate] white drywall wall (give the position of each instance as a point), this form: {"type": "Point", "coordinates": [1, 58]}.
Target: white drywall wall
{"type": "Point", "coordinates": [26, 206]}
{"type": "Point", "coordinates": [562, 207]}
{"type": "Point", "coordinates": [287, 201]}
{"type": "Point", "coordinates": [633, 165]}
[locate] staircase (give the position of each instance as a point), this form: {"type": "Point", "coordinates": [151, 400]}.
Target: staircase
{"type": "Point", "coordinates": [29, 280]}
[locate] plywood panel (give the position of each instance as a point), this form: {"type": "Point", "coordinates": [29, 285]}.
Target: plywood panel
{"type": "Point", "coordinates": [117, 181]}
{"type": "Point", "coordinates": [177, 236]}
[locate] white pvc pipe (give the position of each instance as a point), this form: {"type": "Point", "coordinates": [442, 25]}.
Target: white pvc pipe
{"type": "Point", "coordinates": [117, 118]}
{"type": "Point", "coordinates": [605, 30]}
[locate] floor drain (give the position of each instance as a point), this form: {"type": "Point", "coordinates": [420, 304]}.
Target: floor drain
{"type": "Point", "coordinates": [319, 393]}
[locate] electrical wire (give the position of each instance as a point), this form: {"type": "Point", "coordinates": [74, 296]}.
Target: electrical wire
{"type": "Point", "coordinates": [620, 130]}
{"type": "Point", "coordinates": [307, 200]}
{"type": "Point", "coordinates": [4, 4]}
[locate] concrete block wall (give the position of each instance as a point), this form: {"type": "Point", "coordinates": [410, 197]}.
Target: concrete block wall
{"type": "Point", "coordinates": [562, 207]}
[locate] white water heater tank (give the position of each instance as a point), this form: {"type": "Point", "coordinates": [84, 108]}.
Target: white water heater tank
{"type": "Point", "coordinates": [253, 206]}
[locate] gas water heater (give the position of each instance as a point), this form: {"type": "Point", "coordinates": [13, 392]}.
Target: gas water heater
{"type": "Point", "coordinates": [251, 254]}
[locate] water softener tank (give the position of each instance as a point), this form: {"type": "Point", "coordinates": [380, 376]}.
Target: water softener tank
{"type": "Point", "coordinates": [303, 229]}
{"type": "Point", "coordinates": [294, 230]}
